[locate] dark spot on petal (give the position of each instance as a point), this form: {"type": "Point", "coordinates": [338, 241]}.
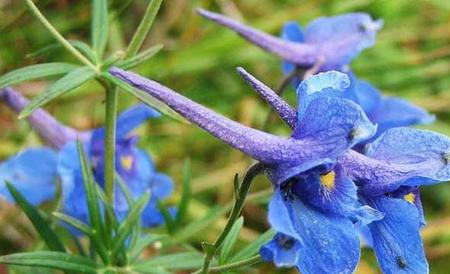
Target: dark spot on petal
{"type": "Point", "coordinates": [401, 262]}
{"type": "Point", "coordinates": [286, 190]}
{"type": "Point", "coordinates": [285, 242]}
{"type": "Point", "coordinates": [446, 157]}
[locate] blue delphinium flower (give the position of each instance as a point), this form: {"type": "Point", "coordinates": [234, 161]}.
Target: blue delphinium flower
{"type": "Point", "coordinates": [316, 207]}
{"type": "Point", "coordinates": [331, 41]}
{"type": "Point", "coordinates": [315, 204]}
{"type": "Point", "coordinates": [35, 171]}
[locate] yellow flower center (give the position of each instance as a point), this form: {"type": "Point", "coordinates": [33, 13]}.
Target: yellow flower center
{"type": "Point", "coordinates": [328, 180]}
{"type": "Point", "coordinates": [126, 162]}
{"type": "Point", "coordinates": [410, 197]}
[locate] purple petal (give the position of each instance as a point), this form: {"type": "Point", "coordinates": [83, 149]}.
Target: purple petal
{"type": "Point", "coordinates": [284, 110]}
{"type": "Point", "coordinates": [257, 144]}
{"type": "Point", "coordinates": [53, 132]}
{"type": "Point", "coordinates": [300, 54]}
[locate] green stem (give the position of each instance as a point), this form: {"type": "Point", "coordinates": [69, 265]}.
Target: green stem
{"type": "Point", "coordinates": [247, 262]}
{"type": "Point", "coordinates": [58, 36]}
{"type": "Point", "coordinates": [110, 142]}
{"type": "Point", "coordinates": [251, 173]}
{"type": "Point", "coordinates": [143, 29]}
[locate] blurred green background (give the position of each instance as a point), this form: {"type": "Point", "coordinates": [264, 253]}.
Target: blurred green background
{"type": "Point", "coordinates": [411, 59]}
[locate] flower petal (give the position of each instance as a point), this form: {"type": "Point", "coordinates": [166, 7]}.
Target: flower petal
{"type": "Point", "coordinates": [53, 132]}
{"type": "Point", "coordinates": [33, 173]}
{"type": "Point", "coordinates": [133, 117]}
{"type": "Point", "coordinates": [328, 243]}
{"type": "Point", "coordinates": [292, 32]}
{"type": "Point", "coordinates": [301, 54]}
{"type": "Point", "coordinates": [282, 250]}
{"type": "Point", "coordinates": [395, 112]}
{"type": "Point", "coordinates": [284, 110]}
{"type": "Point", "coordinates": [396, 238]}
{"type": "Point", "coordinates": [341, 38]}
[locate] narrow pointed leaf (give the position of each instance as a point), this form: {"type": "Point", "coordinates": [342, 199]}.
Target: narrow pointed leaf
{"type": "Point", "coordinates": [187, 260]}
{"type": "Point", "coordinates": [186, 194]}
{"type": "Point", "coordinates": [70, 81]}
{"type": "Point", "coordinates": [73, 222]}
{"type": "Point", "coordinates": [79, 45]}
{"type": "Point", "coordinates": [34, 72]}
{"type": "Point", "coordinates": [140, 58]}
{"type": "Point", "coordinates": [253, 248]}
{"type": "Point", "coordinates": [168, 219]}
{"type": "Point", "coordinates": [230, 241]}
{"type": "Point", "coordinates": [99, 34]}
{"type": "Point", "coordinates": [51, 259]}
{"type": "Point", "coordinates": [92, 198]}
{"type": "Point", "coordinates": [129, 222]}
{"type": "Point", "coordinates": [143, 243]}
{"type": "Point", "coordinates": [37, 219]}
{"type": "Point", "coordinates": [146, 98]}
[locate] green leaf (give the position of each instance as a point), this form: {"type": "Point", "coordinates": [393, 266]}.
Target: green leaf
{"type": "Point", "coordinates": [143, 243]}
{"type": "Point", "coordinates": [140, 58]}
{"type": "Point", "coordinates": [146, 98]}
{"type": "Point", "coordinates": [168, 219]}
{"type": "Point", "coordinates": [73, 222]}
{"type": "Point", "coordinates": [92, 198]}
{"type": "Point", "coordinates": [253, 248]}
{"type": "Point", "coordinates": [35, 72]}
{"type": "Point", "coordinates": [129, 222]}
{"type": "Point", "coordinates": [186, 193]}
{"type": "Point", "coordinates": [143, 29]}
{"type": "Point", "coordinates": [73, 79]}
{"type": "Point", "coordinates": [230, 240]}
{"type": "Point", "coordinates": [79, 45]}
{"type": "Point", "coordinates": [186, 260]}
{"type": "Point", "coordinates": [51, 259]}
{"type": "Point", "coordinates": [37, 219]}
{"type": "Point", "coordinates": [99, 31]}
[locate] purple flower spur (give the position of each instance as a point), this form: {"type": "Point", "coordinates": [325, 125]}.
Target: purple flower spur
{"type": "Point", "coordinates": [331, 41]}
{"type": "Point", "coordinates": [34, 172]}
{"type": "Point", "coordinates": [325, 191]}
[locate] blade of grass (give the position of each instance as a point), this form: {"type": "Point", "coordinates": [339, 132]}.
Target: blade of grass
{"type": "Point", "coordinates": [140, 58]}
{"type": "Point", "coordinates": [73, 222]}
{"type": "Point", "coordinates": [37, 219]}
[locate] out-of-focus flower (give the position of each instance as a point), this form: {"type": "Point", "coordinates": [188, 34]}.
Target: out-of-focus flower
{"type": "Point", "coordinates": [35, 171]}
{"type": "Point", "coordinates": [331, 41]}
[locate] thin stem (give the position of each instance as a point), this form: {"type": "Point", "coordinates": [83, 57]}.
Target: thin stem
{"type": "Point", "coordinates": [143, 29]}
{"type": "Point", "coordinates": [247, 262]}
{"type": "Point", "coordinates": [58, 36]}
{"type": "Point", "coordinates": [249, 176]}
{"type": "Point", "coordinates": [110, 142]}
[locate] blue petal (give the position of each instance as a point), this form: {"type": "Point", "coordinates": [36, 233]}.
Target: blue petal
{"type": "Point", "coordinates": [363, 93]}
{"type": "Point", "coordinates": [161, 186]}
{"type": "Point", "coordinates": [133, 117]}
{"type": "Point", "coordinates": [152, 216]}
{"type": "Point", "coordinates": [329, 243]}
{"type": "Point", "coordinates": [33, 173]}
{"type": "Point", "coordinates": [396, 238]}
{"type": "Point", "coordinates": [292, 32]}
{"type": "Point", "coordinates": [282, 250]}
{"type": "Point", "coordinates": [426, 153]}
{"type": "Point", "coordinates": [341, 38]}
{"type": "Point", "coordinates": [395, 112]}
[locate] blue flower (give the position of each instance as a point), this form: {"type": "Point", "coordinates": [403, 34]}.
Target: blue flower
{"type": "Point", "coordinates": [315, 204]}
{"type": "Point", "coordinates": [35, 171]}
{"type": "Point", "coordinates": [331, 42]}
{"type": "Point", "coordinates": [317, 209]}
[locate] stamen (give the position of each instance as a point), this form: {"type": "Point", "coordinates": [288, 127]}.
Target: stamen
{"type": "Point", "coordinates": [401, 262]}
{"type": "Point", "coordinates": [285, 242]}
{"type": "Point", "coordinates": [410, 198]}
{"type": "Point", "coordinates": [328, 180]}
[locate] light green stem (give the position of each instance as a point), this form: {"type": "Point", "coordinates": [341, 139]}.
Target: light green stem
{"type": "Point", "coordinates": [143, 29]}
{"type": "Point", "coordinates": [227, 267]}
{"type": "Point", "coordinates": [110, 142]}
{"type": "Point", "coordinates": [58, 36]}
